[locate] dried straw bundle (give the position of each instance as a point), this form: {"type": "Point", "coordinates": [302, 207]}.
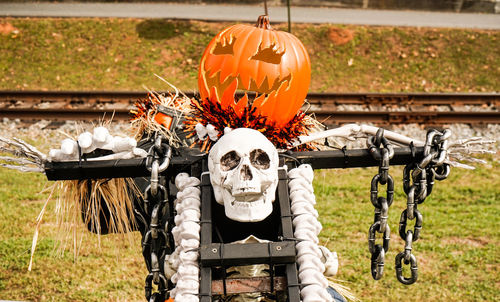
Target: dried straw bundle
{"type": "Point", "coordinates": [91, 201]}
{"type": "Point", "coordinates": [342, 289]}
{"type": "Point", "coordinates": [208, 112]}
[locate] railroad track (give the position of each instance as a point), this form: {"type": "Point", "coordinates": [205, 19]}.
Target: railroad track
{"type": "Point", "coordinates": [331, 108]}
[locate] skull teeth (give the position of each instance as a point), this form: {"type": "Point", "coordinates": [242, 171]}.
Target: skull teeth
{"type": "Point", "coordinates": [247, 204]}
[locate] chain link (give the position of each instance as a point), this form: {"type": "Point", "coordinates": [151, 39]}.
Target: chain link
{"type": "Point", "coordinates": [157, 151]}
{"type": "Point", "coordinates": [418, 181]}
{"type": "Point", "coordinates": [156, 241]}
{"type": "Point", "coordinates": [413, 268]}
{"type": "Point", "coordinates": [381, 150]}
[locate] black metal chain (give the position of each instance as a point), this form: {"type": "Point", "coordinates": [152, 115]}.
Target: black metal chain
{"type": "Point", "coordinates": [381, 150]}
{"type": "Point", "coordinates": [155, 214]}
{"type": "Point", "coordinates": [418, 181]}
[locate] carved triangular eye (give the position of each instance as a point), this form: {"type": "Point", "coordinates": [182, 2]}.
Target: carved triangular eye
{"type": "Point", "coordinates": [224, 47]}
{"type": "Point", "coordinates": [269, 54]}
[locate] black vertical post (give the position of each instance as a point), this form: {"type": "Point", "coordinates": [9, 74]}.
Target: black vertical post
{"type": "Point", "coordinates": [206, 233]}
{"type": "Point", "coordinates": [286, 222]}
{"type": "Point", "coordinates": [289, 18]}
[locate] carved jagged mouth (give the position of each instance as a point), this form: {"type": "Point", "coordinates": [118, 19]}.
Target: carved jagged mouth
{"type": "Point", "coordinates": [253, 93]}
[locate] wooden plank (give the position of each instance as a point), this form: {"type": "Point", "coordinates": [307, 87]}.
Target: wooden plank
{"type": "Point", "coordinates": [248, 285]}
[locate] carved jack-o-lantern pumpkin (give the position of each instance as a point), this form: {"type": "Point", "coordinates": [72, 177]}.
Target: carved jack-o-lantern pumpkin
{"type": "Point", "coordinates": [271, 67]}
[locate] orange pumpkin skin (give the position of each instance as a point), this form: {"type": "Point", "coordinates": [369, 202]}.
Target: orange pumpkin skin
{"type": "Point", "coordinates": [256, 59]}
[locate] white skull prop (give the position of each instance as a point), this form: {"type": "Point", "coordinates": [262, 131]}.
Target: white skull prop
{"type": "Point", "coordinates": [243, 168]}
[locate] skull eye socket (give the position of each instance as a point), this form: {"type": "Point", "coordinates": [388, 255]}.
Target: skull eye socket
{"type": "Point", "coordinates": [229, 161]}
{"type": "Point", "coordinates": [260, 159]}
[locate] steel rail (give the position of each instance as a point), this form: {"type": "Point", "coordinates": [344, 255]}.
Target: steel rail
{"type": "Point", "coordinates": [409, 117]}
{"type": "Point", "coordinates": [94, 105]}
{"type": "Point", "coordinates": [484, 99]}
{"type": "Point", "coordinates": [327, 118]}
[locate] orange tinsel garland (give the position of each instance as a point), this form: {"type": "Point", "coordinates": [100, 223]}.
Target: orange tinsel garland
{"type": "Point", "coordinates": [209, 112]}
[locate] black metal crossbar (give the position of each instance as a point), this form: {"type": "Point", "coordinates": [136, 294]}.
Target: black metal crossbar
{"type": "Point", "coordinates": [355, 158]}
{"type": "Point", "coordinates": [214, 254]}
{"type": "Point", "coordinates": [332, 159]}
{"type": "Point", "coordinates": [120, 168]}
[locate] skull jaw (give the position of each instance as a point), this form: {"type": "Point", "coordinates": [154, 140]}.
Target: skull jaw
{"type": "Point", "coordinates": [247, 208]}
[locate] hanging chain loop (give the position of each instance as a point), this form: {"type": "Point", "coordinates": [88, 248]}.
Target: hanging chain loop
{"type": "Point", "coordinates": [418, 181]}
{"type": "Point", "coordinates": [156, 239]}
{"type": "Point", "coordinates": [413, 268]}
{"type": "Point", "coordinates": [381, 150]}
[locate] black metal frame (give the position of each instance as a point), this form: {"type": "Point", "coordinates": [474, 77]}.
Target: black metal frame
{"type": "Point", "coordinates": [214, 254]}
{"type": "Point", "coordinates": [220, 254]}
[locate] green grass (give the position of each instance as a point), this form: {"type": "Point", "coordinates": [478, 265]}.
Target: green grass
{"type": "Point", "coordinates": [123, 54]}
{"type": "Point", "coordinates": [458, 250]}
{"type": "Point", "coordinates": [112, 272]}
{"type": "Point", "coordinates": [457, 253]}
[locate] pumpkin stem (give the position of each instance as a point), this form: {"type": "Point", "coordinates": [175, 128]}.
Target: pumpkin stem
{"type": "Point", "coordinates": [263, 22]}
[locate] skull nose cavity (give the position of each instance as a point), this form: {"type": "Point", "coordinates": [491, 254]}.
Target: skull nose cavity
{"type": "Point", "coordinates": [245, 173]}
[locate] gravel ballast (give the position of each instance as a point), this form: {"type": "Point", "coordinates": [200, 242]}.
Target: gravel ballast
{"type": "Point", "coordinates": [45, 137]}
